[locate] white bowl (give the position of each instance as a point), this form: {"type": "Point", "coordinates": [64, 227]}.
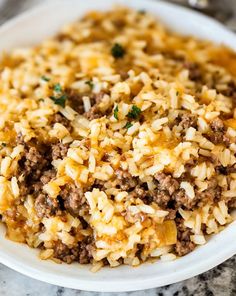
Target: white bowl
{"type": "Point", "coordinates": [44, 21]}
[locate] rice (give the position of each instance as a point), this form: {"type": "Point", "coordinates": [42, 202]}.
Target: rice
{"type": "Point", "coordinates": [188, 189]}
{"type": "Point", "coordinates": [198, 239]}
{"type": "Point", "coordinates": [87, 103]}
{"type": "Point", "coordinates": [117, 141]}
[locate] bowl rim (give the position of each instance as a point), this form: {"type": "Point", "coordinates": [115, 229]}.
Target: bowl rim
{"type": "Point", "coordinates": [42, 273]}
{"type": "Point", "coordinates": [114, 285]}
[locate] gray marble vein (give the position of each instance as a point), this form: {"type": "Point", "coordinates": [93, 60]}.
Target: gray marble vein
{"type": "Point", "coordinates": [220, 281]}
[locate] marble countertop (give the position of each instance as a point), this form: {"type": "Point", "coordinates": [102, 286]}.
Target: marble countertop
{"type": "Point", "coordinates": [220, 281]}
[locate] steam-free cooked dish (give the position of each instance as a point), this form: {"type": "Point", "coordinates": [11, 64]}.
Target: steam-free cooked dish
{"type": "Point", "coordinates": [117, 141]}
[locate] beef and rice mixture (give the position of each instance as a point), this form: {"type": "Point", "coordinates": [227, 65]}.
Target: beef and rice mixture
{"type": "Point", "coordinates": [118, 141]}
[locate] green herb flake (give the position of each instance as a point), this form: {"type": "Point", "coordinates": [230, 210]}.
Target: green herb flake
{"type": "Point", "coordinates": [4, 144]}
{"type": "Point", "coordinates": [134, 113]}
{"type": "Point", "coordinates": [90, 83]}
{"type": "Point", "coordinates": [61, 101]}
{"type": "Point", "coordinates": [117, 51]}
{"type": "Point", "coordinates": [116, 110]}
{"type": "Point", "coordinates": [44, 78]}
{"type": "Point", "coordinates": [177, 93]}
{"type": "Point", "coordinates": [41, 100]}
{"type": "Point", "coordinates": [128, 125]}
{"type": "Point", "coordinates": [57, 88]}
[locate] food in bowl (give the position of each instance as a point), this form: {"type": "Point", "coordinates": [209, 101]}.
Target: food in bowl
{"type": "Point", "coordinates": [117, 141]}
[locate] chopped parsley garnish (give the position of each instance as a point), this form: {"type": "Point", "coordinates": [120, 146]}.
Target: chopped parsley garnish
{"type": "Point", "coordinates": [90, 83]}
{"type": "Point", "coordinates": [116, 112]}
{"type": "Point", "coordinates": [61, 101]}
{"type": "Point", "coordinates": [60, 97]}
{"type": "Point", "coordinates": [117, 51]}
{"type": "Point", "coordinates": [45, 78]}
{"type": "Point", "coordinates": [177, 93]}
{"type": "Point", "coordinates": [4, 144]}
{"type": "Point", "coordinates": [41, 100]}
{"type": "Point", "coordinates": [134, 113]}
{"type": "Point", "coordinates": [57, 87]}
{"type": "Point", "coordinates": [128, 125]}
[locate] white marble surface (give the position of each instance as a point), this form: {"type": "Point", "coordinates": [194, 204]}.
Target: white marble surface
{"type": "Point", "coordinates": [220, 281]}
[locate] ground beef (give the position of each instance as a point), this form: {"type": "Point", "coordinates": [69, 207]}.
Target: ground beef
{"type": "Point", "coordinates": [59, 118]}
{"type": "Point", "coordinates": [188, 120]}
{"type": "Point", "coordinates": [125, 181]}
{"type": "Point", "coordinates": [210, 195]}
{"type": "Point", "coordinates": [168, 194]}
{"type": "Point", "coordinates": [230, 90]}
{"type": "Point", "coordinates": [95, 111]}
{"type": "Point", "coordinates": [194, 71]}
{"type": "Point", "coordinates": [46, 206]}
{"type": "Point", "coordinates": [85, 255]}
{"type": "Point", "coordinates": [81, 253]}
{"type": "Point", "coordinates": [36, 170]}
{"type": "Point", "coordinates": [231, 203]}
{"type": "Point", "coordinates": [98, 97]}
{"type": "Point", "coordinates": [139, 251]}
{"type": "Point", "coordinates": [182, 200]}
{"type": "Point", "coordinates": [59, 150]}
{"type": "Point", "coordinates": [106, 157]}
{"type": "Point", "coordinates": [221, 170]}
{"type": "Point", "coordinates": [230, 169]}
{"type": "Point", "coordinates": [184, 244]}
{"type": "Point", "coordinates": [47, 176]}
{"type": "Point", "coordinates": [76, 102]}
{"type": "Point", "coordinates": [162, 198]}
{"type": "Point", "coordinates": [184, 247]}
{"type": "Point", "coordinates": [99, 184]}
{"type": "Point", "coordinates": [212, 183]}
{"type": "Point", "coordinates": [141, 191]}
{"type": "Point", "coordinates": [73, 198]}
{"type": "Point", "coordinates": [218, 133]}
{"type": "Point", "coordinates": [166, 183]}
{"type": "Point", "coordinates": [33, 162]}
{"type": "Point", "coordinates": [24, 189]}
{"type": "Point", "coordinates": [171, 215]}
{"type": "Point", "coordinates": [217, 125]}
{"type": "Point", "coordinates": [218, 138]}
{"type": "Point", "coordinates": [64, 253]}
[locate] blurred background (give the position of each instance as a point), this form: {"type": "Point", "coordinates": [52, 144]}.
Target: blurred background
{"type": "Point", "coordinates": [223, 10]}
